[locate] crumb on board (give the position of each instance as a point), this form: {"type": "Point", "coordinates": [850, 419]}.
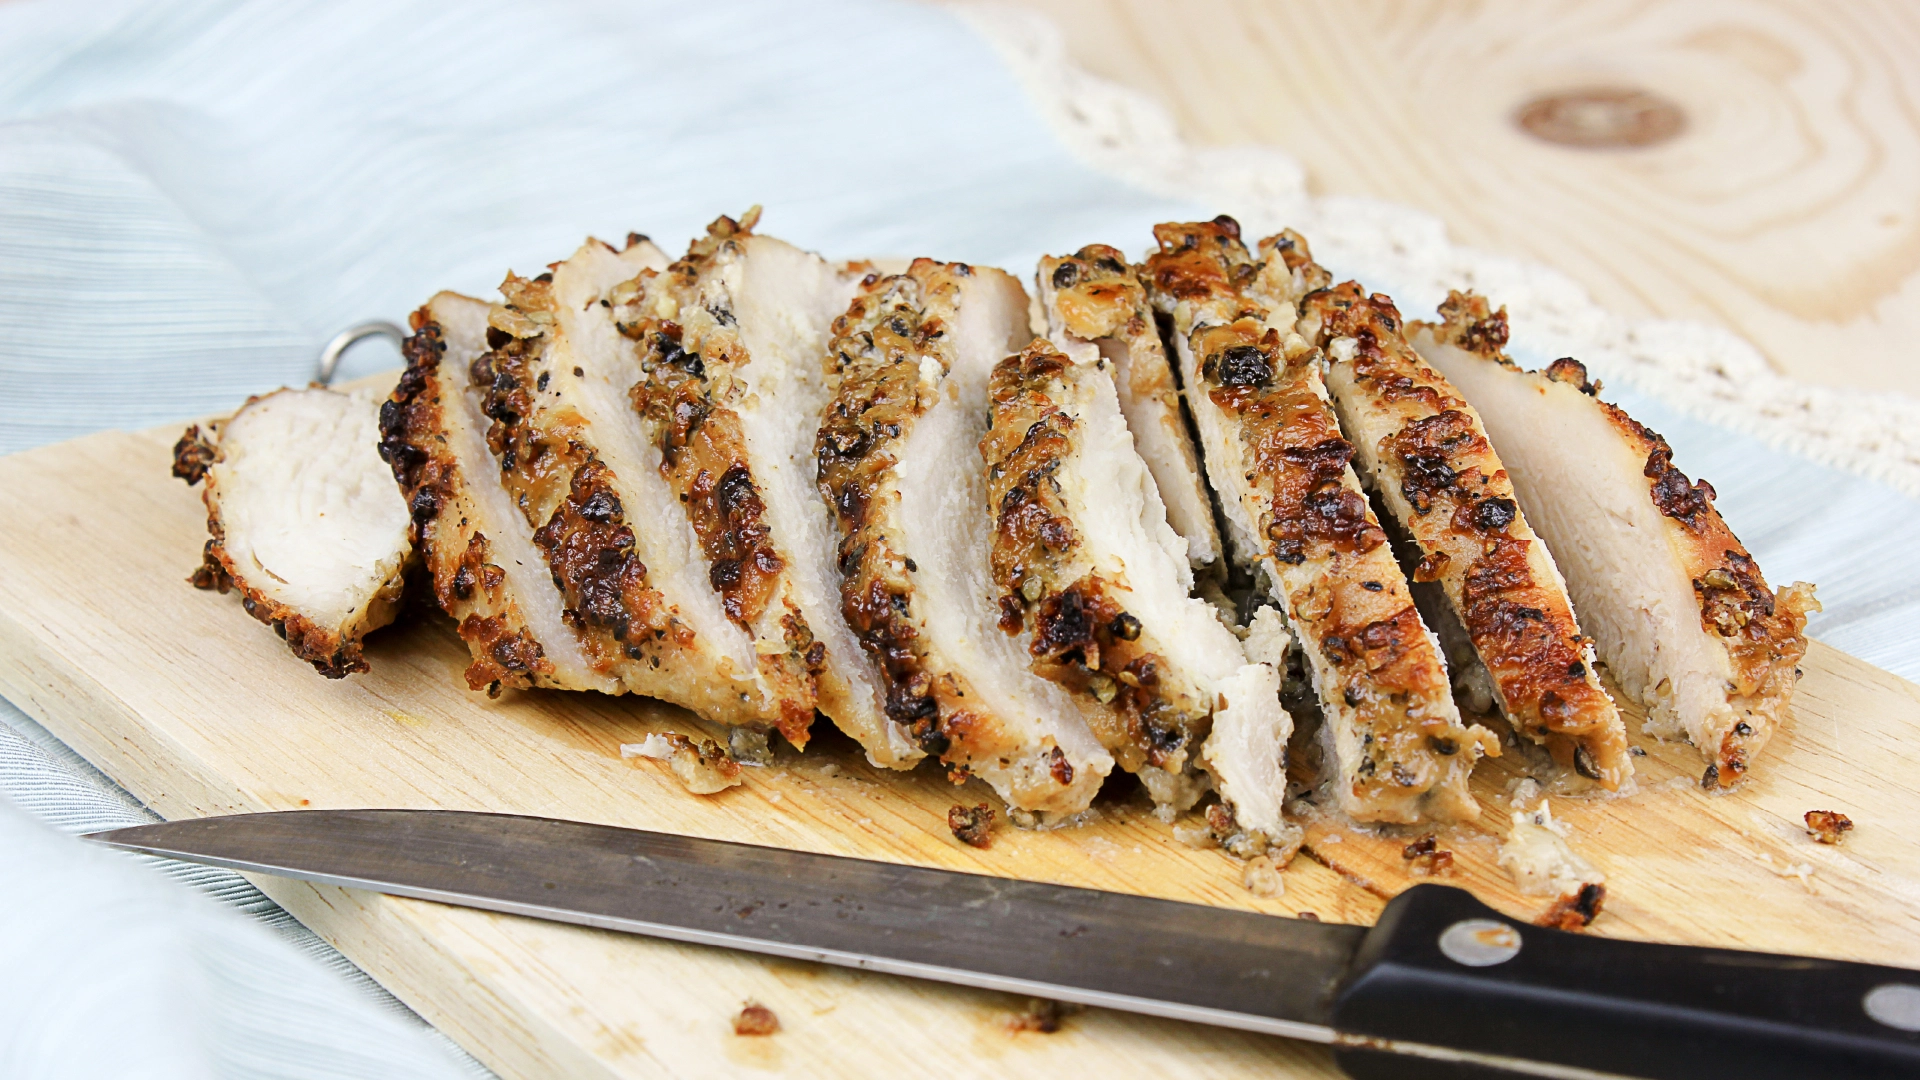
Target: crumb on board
{"type": "Point", "coordinates": [1426, 858]}
{"type": "Point", "coordinates": [704, 769]}
{"type": "Point", "coordinates": [755, 1019]}
{"type": "Point", "coordinates": [1576, 910]}
{"type": "Point", "coordinates": [1262, 878]}
{"type": "Point", "coordinates": [1828, 826]}
{"type": "Point", "coordinates": [1309, 916]}
{"type": "Point", "coordinates": [972, 825]}
{"type": "Point", "coordinates": [1043, 1015]}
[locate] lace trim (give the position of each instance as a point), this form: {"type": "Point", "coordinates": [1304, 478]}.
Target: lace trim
{"type": "Point", "coordinates": [1706, 372]}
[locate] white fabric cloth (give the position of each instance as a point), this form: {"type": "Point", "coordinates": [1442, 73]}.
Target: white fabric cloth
{"type": "Point", "coordinates": [194, 197]}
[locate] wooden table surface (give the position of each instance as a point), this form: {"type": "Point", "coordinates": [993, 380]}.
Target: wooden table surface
{"type": "Point", "coordinates": [1786, 207]}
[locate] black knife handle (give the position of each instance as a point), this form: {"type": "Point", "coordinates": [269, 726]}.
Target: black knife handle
{"type": "Point", "coordinates": [1439, 970]}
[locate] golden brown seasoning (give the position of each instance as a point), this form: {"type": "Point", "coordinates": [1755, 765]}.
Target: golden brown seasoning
{"type": "Point", "coordinates": [972, 825]}
{"type": "Point", "coordinates": [1828, 826]}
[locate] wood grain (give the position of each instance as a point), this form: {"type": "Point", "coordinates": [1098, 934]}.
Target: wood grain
{"type": "Point", "coordinates": [198, 710]}
{"type": "Point", "coordinates": [1788, 208]}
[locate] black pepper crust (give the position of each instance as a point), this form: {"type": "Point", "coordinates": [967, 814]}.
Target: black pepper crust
{"type": "Point", "coordinates": [1763, 629]}
{"type": "Point", "coordinates": [1469, 532]}
{"type": "Point", "coordinates": [1081, 637]}
{"type": "Point", "coordinates": [468, 587]}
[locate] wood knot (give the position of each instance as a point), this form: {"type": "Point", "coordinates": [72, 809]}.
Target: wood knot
{"type": "Point", "coordinates": [1602, 117]}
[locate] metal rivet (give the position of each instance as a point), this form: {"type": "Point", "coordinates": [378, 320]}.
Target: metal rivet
{"type": "Point", "coordinates": [1480, 942]}
{"type": "Point", "coordinates": [1895, 1005]}
{"type": "Point", "coordinates": [1601, 117]}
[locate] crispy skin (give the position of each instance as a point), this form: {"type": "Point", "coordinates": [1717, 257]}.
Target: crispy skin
{"type": "Point", "coordinates": [1440, 478]}
{"type": "Point", "coordinates": [1762, 629]}
{"type": "Point", "coordinates": [1094, 297]}
{"type": "Point", "coordinates": [1399, 748]}
{"type": "Point", "coordinates": [467, 586]}
{"type": "Point", "coordinates": [1082, 638]}
{"type": "Point", "coordinates": [333, 650]}
{"type": "Point", "coordinates": [689, 352]}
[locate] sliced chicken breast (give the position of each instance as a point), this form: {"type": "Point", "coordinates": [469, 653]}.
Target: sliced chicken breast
{"type": "Point", "coordinates": [487, 571]}
{"type": "Point", "coordinates": [1678, 610]}
{"type": "Point", "coordinates": [1397, 748]}
{"type": "Point", "coordinates": [1091, 574]}
{"type": "Point", "coordinates": [570, 455]}
{"type": "Point", "coordinates": [733, 338]}
{"type": "Point", "coordinates": [304, 520]}
{"type": "Point", "coordinates": [1096, 307]}
{"type": "Point", "coordinates": [1422, 449]}
{"type": "Point", "coordinates": [900, 462]}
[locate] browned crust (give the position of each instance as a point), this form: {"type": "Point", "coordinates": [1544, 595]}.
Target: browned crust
{"type": "Point", "coordinates": [1471, 535]}
{"type": "Point", "coordinates": [1357, 611]}
{"type": "Point", "coordinates": [331, 653]}
{"type": "Point", "coordinates": [875, 353]}
{"type": "Point", "coordinates": [469, 588]}
{"type": "Point", "coordinates": [1764, 630]}
{"type": "Point", "coordinates": [683, 395]}
{"type": "Point", "coordinates": [1097, 294]}
{"type": "Point", "coordinates": [1081, 637]}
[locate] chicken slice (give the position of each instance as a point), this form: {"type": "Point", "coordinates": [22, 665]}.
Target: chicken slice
{"type": "Point", "coordinates": [899, 461]}
{"type": "Point", "coordinates": [1096, 580]}
{"type": "Point", "coordinates": [304, 520]}
{"type": "Point", "coordinates": [1679, 612]}
{"type": "Point", "coordinates": [733, 385]}
{"type": "Point", "coordinates": [487, 571]}
{"type": "Point", "coordinates": [571, 457]}
{"type": "Point", "coordinates": [1424, 451]}
{"type": "Point", "coordinates": [1096, 307]}
{"type": "Point", "coordinates": [1398, 750]}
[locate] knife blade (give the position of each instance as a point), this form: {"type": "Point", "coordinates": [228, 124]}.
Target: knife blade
{"type": "Point", "coordinates": [1441, 986]}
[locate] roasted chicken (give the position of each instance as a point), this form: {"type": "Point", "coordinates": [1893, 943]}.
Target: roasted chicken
{"type": "Point", "coordinates": [1295, 511]}
{"type": "Point", "coordinates": [304, 520]}
{"type": "Point", "coordinates": [1678, 610]}
{"type": "Point", "coordinates": [1504, 612]}
{"type": "Point", "coordinates": [900, 463]}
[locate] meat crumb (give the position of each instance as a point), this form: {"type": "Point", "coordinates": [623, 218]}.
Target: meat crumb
{"type": "Point", "coordinates": [755, 1019]}
{"type": "Point", "coordinates": [1044, 1016]}
{"type": "Point", "coordinates": [1828, 826]}
{"type": "Point", "coordinates": [1575, 910]}
{"type": "Point", "coordinates": [1426, 858]}
{"type": "Point", "coordinates": [972, 825]}
{"type": "Point", "coordinates": [1308, 916]}
{"type": "Point", "coordinates": [704, 769]}
{"type": "Point", "coordinates": [1262, 878]}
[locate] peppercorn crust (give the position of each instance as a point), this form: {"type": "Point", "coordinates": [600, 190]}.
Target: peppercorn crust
{"type": "Point", "coordinates": [468, 585]}
{"type": "Point", "coordinates": [1294, 504]}
{"type": "Point", "coordinates": [1760, 631]}
{"type": "Point", "coordinates": [691, 356]}
{"type": "Point", "coordinates": [1096, 305]}
{"type": "Point", "coordinates": [1427, 455]}
{"type": "Point", "coordinates": [1143, 710]}
{"type": "Point", "coordinates": [569, 496]}
{"type": "Point", "coordinates": [333, 650]}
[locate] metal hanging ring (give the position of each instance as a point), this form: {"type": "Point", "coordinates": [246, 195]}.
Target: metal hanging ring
{"type": "Point", "coordinates": [330, 356]}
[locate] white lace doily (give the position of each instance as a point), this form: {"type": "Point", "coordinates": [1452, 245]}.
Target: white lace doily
{"type": "Point", "coordinates": [1703, 371]}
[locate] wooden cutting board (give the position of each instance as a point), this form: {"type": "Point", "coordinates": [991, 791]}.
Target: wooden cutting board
{"type": "Point", "coordinates": [198, 710]}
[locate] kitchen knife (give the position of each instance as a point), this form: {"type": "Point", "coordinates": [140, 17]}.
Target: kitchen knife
{"type": "Point", "coordinates": [1441, 987]}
